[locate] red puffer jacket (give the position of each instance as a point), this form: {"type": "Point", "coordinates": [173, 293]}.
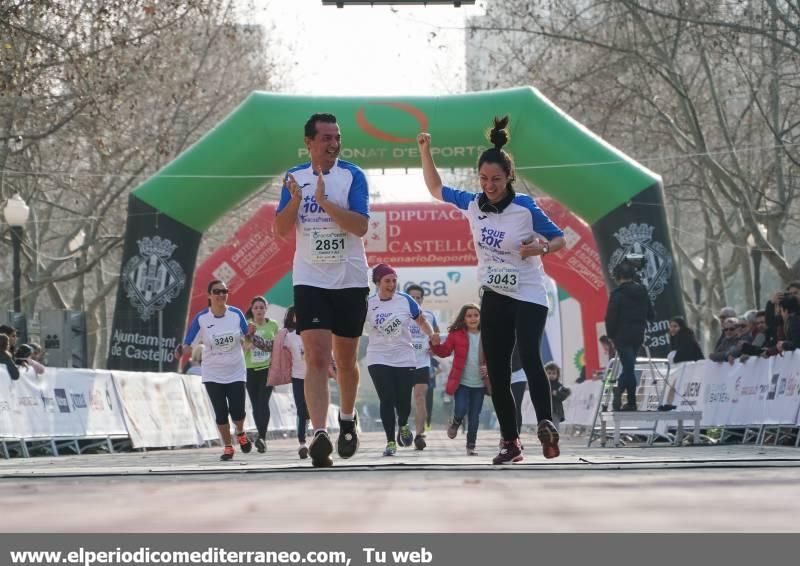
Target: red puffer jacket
{"type": "Point", "coordinates": [457, 341]}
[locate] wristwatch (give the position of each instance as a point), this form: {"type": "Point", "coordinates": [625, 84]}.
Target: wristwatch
{"type": "Point", "coordinates": [545, 249]}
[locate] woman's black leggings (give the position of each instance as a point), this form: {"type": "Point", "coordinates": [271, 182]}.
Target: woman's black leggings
{"type": "Point", "coordinates": [518, 392]}
{"type": "Point", "coordinates": [394, 386]}
{"type": "Point", "coordinates": [505, 321]}
{"type": "Point", "coordinates": [259, 393]}
{"type": "Point", "coordinates": [226, 398]}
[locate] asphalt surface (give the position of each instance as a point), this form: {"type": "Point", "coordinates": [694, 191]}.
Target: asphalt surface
{"type": "Point", "coordinates": [728, 488]}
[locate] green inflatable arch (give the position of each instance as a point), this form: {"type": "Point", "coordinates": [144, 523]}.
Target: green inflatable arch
{"type": "Point", "coordinates": [257, 142]}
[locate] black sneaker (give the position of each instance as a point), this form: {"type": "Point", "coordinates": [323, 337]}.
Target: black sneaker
{"type": "Point", "coordinates": [302, 452]}
{"type": "Point", "coordinates": [320, 450]}
{"type": "Point", "coordinates": [419, 442]}
{"type": "Point", "coordinates": [261, 446]}
{"type": "Point", "coordinates": [244, 443]}
{"type": "Point", "coordinates": [347, 444]}
{"type": "Point", "coordinates": [404, 437]}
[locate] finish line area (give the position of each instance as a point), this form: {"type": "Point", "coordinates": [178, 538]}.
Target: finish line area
{"type": "Point", "coordinates": [440, 489]}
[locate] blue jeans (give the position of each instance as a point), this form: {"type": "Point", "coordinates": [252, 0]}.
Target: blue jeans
{"type": "Point", "coordinates": [627, 378]}
{"type": "Point", "coordinates": [469, 402]}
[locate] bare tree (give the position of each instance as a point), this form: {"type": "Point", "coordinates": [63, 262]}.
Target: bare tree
{"type": "Point", "coordinates": [101, 94]}
{"type": "Point", "coordinates": [704, 92]}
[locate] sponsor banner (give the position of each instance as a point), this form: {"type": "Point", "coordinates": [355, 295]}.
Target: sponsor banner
{"type": "Point", "coordinates": [445, 289]}
{"type": "Point", "coordinates": [48, 407]}
{"type": "Point", "coordinates": [419, 234]}
{"type": "Point", "coordinates": [283, 413]}
{"type": "Point", "coordinates": [251, 262]}
{"type": "Point", "coordinates": [156, 408]}
{"type": "Point", "coordinates": [202, 411]}
{"type": "Point", "coordinates": [158, 260]}
{"type": "Point", "coordinates": [640, 227]}
{"type": "Point", "coordinates": [102, 415]}
{"type": "Point", "coordinates": [580, 406]}
{"type": "Point", "coordinates": [759, 391]}
{"type": "Point", "coordinates": [8, 408]}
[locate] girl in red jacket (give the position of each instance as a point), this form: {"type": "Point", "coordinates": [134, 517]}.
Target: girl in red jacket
{"type": "Point", "coordinates": [468, 381]}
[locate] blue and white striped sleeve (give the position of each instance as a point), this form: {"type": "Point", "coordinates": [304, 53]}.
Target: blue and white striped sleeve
{"type": "Point", "coordinates": [194, 329]}
{"type": "Point", "coordinates": [242, 320]}
{"type": "Point", "coordinates": [541, 222]}
{"type": "Point", "coordinates": [412, 306]}
{"type": "Point", "coordinates": [458, 197]}
{"type": "Point", "coordinates": [358, 198]}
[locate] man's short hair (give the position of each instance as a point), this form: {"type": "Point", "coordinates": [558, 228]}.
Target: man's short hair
{"type": "Point", "coordinates": [790, 304]}
{"type": "Point", "coordinates": [415, 287]}
{"type": "Point", "coordinates": [311, 125]}
{"type": "Point", "coordinates": [726, 312]}
{"type": "Point", "coordinates": [7, 330]}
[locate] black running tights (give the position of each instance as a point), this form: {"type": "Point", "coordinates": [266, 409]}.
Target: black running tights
{"type": "Point", "coordinates": [504, 321]}
{"type": "Point", "coordinates": [394, 386]}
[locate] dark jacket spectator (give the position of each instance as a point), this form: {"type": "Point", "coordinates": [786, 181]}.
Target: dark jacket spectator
{"type": "Point", "coordinates": [629, 310]}
{"type": "Point", "coordinates": [682, 341]}
{"type": "Point", "coordinates": [773, 318]}
{"type": "Point", "coordinates": [789, 309]}
{"type": "Point", "coordinates": [6, 358]}
{"type": "Point", "coordinates": [558, 391]}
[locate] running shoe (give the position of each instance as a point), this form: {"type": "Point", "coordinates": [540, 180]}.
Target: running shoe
{"type": "Point", "coordinates": [471, 451]}
{"type": "Point", "coordinates": [347, 444]}
{"type": "Point", "coordinates": [227, 454]}
{"type": "Point", "coordinates": [405, 437]}
{"type": "Point", "coordinates": [261, 446]}
{"type": "Point", "coordinates": [548, 436]}
{"type": "Point", "coordinates": [303, 452]}
{"type": "Point", "coordinates": [320, 450]}
{"type": "Point", "coordinates": [419, 442]}
{"type": "Point", "coordinates": [244, 443]}
{"type": "Point", "coordinates": [428, 428]}
{"type": "Point", "coordinates": [452, 428]}
{"type": "Point", "coordinates": [391, 449]}
{"type": "Point", "coordinates": [509, 452]}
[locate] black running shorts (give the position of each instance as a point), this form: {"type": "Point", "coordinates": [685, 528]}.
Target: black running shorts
{"type": "Point", "coordinates": [422, 376]}
{"type": "Point", "coordinates": [342, 311]}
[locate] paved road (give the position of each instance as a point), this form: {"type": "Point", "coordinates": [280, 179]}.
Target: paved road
{"type": "Point", "coordinates": [721, 488]}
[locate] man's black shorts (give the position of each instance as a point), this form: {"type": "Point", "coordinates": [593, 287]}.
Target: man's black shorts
{"type": "Point", "coordinates": [342, 311]}
{"type": "Point", "coordinates": [422, 376]}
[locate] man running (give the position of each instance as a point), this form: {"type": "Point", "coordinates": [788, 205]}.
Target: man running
{"type": "Point", "coordinates": [422, 373]}
{"type": "Point", "coordinates": [326, 201]}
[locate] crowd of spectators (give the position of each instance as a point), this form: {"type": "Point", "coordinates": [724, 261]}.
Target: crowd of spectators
{"type": "Point", "coordinates": [15, 357]}
{"type": "Point", "coordinates": [765, 333]}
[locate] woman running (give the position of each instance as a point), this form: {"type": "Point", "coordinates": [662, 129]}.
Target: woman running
{"type": "Point", "coordinates": [222, 330]}
{"type": "Point", "coordinates": [391, 358]}
{"type": "Point", "coordinates": [289, 362]}
{"type": "Point", "coordinates": [257, 362]}
{"type": "Point", "coordinates": [511, 233]}
{"type": "Point", "coordinates": [467, 381]}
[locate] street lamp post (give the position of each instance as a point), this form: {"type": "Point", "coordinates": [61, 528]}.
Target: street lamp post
{"type": "Point", "coordinates": [16, 214]}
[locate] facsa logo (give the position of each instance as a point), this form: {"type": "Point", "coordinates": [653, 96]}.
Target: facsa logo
{"type": "Point", "coordinates": [416, 113]}
{"type": "Point", "coordinates": [61, 400]}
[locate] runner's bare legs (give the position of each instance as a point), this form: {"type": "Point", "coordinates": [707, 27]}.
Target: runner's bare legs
{"type": "Point", "coordinates": [317, 347]}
